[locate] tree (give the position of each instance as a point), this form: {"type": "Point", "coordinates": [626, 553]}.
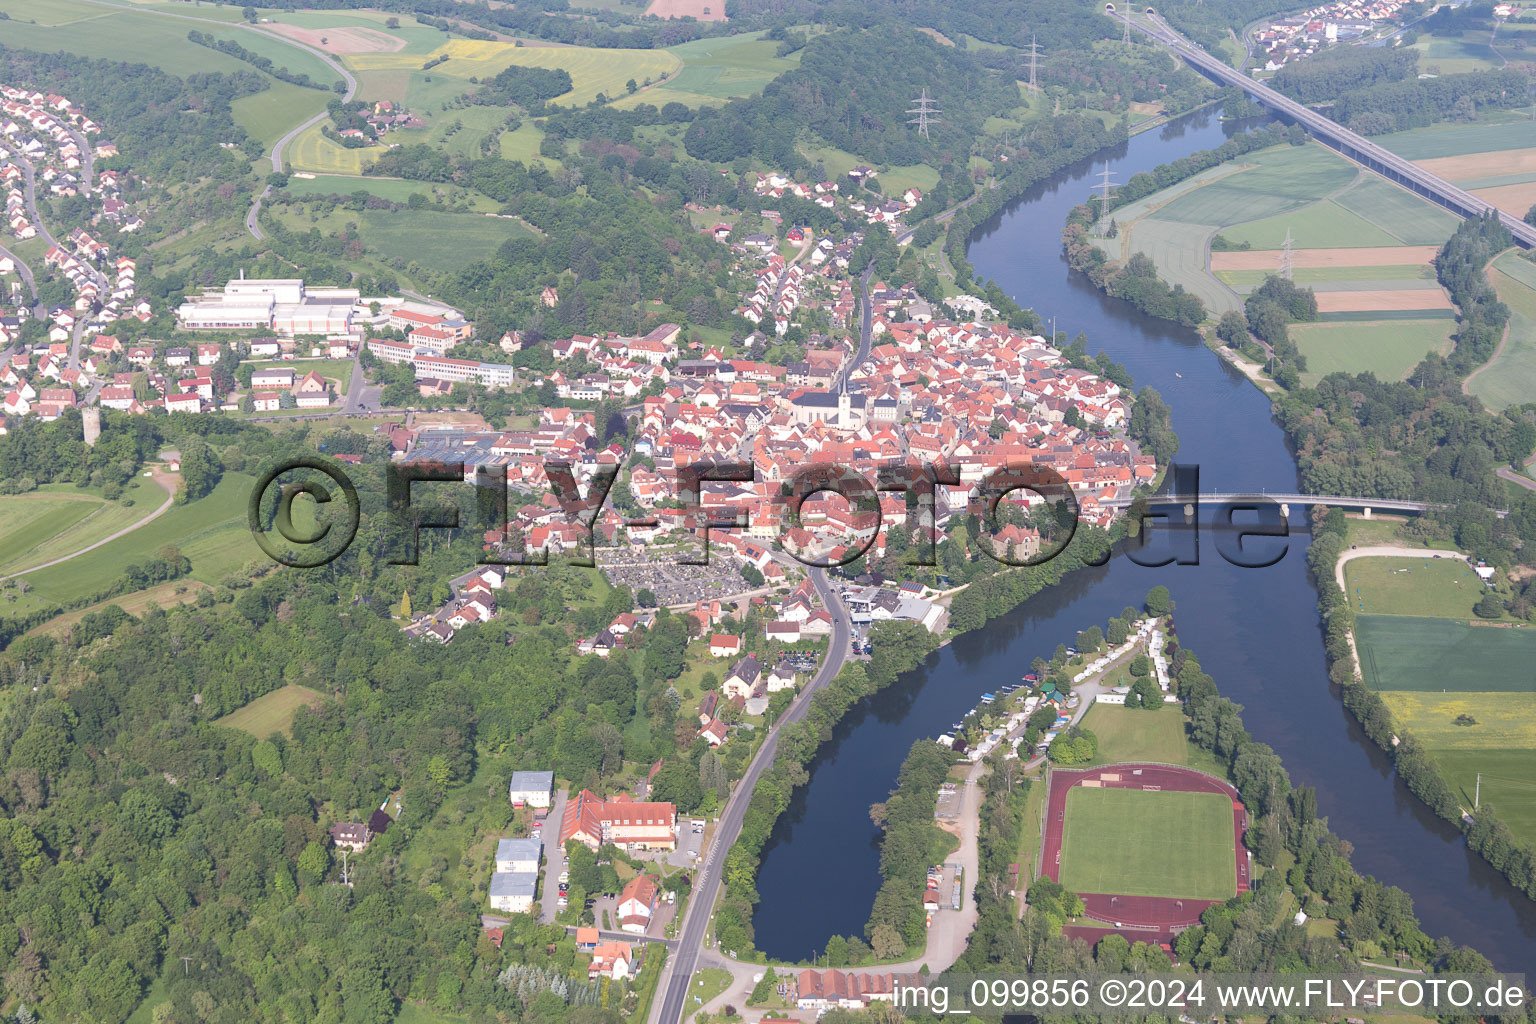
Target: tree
{"type": "Point", "coordinates": [1141, 665]}
{"type": "Point", "coordinates": [314, 862]}
{"type": "Point", "coordinates": [249, 14]}
{"type": "Point", "coordinates": [1530, 216]}
{"type": "Point", "coordinates": [1233, 328]}
{"type": "Point", "coordinates": [887, 942]}
{"type": "Point", "coordinates": [1489, 607]}
{"type": "Point", "coordinates": [1158, 602]}
{"type": "Point", "coordinates": [405, 604]}
{"type": "Point", "coordinates": [645, 597]}
{"type": "Point", "coordinates": [267, 759]}
{"type": "Point", "coordinates": [439, 770]}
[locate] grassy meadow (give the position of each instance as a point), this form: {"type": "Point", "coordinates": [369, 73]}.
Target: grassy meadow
{"type": "Point", "coordinates": [272, 712]}
{"type": "Point", "coordinates": [1388, 348]}
{"type": "Point", "coordinates": [1509, 378]}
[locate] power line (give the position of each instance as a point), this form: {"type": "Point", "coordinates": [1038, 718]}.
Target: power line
{"type": "Point", "coordinates": [1034, 62]}
{"type": "Point", "coordinates": [927, 111]}
{"type": "Point", "coordinates": [1286, 262]}
{"type": "Point", "coordinates": [1104, 188]}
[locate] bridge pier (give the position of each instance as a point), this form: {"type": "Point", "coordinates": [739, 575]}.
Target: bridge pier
{"type": "Point", "coordinates": [1367, 512]}
{"type": "Point", "coordinates": [1285, 511]}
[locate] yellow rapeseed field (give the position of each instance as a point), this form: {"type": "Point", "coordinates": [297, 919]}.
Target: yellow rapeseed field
{"type": "Point", "coordinates": [1504, 720]}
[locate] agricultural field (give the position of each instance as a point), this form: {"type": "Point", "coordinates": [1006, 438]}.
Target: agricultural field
{"type": "Point", "coordinates": [592, 70]}
{"type": "Point", "coordinates": [1282, 178]}
{"type": "Point", "coordinates": [1389, 349]}
{"type": "Point", "coordinates": [444, 241]}
{"type": "Point", "coordinates": [57, 519]}
{"type": "Point", "coordinates": [716, 70]}
{"type": "Point", "coordinates": [1507, 784]}
{"type": "Point", "coordinates": [1490, 132]}
{"type": "Point", "coordinates": [1148, 843]}
{"type": "Point", "coordinates": [1509, 378]}
{"type": "Point", "coordinates": [1466, 721]}
{"type": "Point", "coordinates": [166, 595]}
{"type": "Point", "coordinates": [268, 115]}
{"type": "Point", "coordinates": [1458, 54]}
{"type": "Point", "coordinates": [396, 190]}
{"type": "Point", "coordinates": [1401, 653]}
{"type": "Point", "coordinates": [211, 532]}
{"type": "Point", "coordinates": [893, 180]}
{"type": "Point", "coordinates": [272, 712]}
{"type": "Point", "coordinates": [1428, 587]}
{"type": "Point", "coordinates": [312, 151]}
{"type": "Point", "coordinates": [1372, 212]}
{"type": "Point", "coordinates": [1179, 249]}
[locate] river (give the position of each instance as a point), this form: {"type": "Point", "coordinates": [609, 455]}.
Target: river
{"type": "Point", "coordinates": [1256, 631]}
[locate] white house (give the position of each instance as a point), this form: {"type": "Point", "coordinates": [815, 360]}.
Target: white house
{"type": "Point", "coordinates": [513, 891]}
{"type": "Point", "coordinates": [532, 789]}
{"type": "Point", "coordinates": [518, 856]}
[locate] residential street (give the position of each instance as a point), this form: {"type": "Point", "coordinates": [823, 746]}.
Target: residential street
{"type": "Point", "coordinates": [553, 858]}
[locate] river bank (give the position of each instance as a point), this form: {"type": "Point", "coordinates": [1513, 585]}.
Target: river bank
{"type": "Point", "coordinates": [1258, 630]}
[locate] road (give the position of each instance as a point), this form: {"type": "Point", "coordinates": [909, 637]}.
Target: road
{"type": "Point", "coordinates": [276, 155]}
{"type": "Point", "coordinates": [30, 195]}
{"type": "Point", "coordinates": [1357, 148]}
{"type": "Point", "coordinates": [165, 480]}
{"type": "Point", "coordinates": [554, 858]}
{"type": "Point", "coordinates": [669, 1008]}
{"type": "Point", "coordinates": [25, 272]}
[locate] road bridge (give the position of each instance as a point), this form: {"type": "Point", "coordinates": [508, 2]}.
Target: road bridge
{"type": "Point", "coordinates": [1304, 500]}
{"type": "Point", "coordinates": [1356, 147]}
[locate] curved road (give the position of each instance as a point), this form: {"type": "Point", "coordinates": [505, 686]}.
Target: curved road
{"type": "Point", "coordinates": [160, 478]}
{"type": "Point", "coordinates": [706, 887]}
{"type": "Point", "coordinates": [26, 275]}
{"type": "Point", "coordinates": [278, 147]}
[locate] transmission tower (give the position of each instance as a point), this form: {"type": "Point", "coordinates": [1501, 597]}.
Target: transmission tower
{"type": "Point", "coordinates": [927, 111]}
{"type": "Point", "coordinates": [1034, 62]}
{"type": "Point", "coordinates": [1105, 188]}
{"type": "Point", "coordinates": [1125, 37]}
{"type": "Point", "coordinates": [1286, 263]}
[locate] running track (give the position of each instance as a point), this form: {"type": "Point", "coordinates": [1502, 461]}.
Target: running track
{"type": "Point", "coordinates": [1149, 918]}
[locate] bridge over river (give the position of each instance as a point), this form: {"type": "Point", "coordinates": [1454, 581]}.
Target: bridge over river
{"type": "Point", "coordinates": [1366, 505]}
{"type": "Point", "coordinates": [1357, 148]}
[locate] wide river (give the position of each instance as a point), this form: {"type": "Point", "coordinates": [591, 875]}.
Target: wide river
{"type": "Point", "coordinates": [1255, 630]}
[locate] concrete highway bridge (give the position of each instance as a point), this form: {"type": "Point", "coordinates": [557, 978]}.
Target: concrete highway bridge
{"type": "Point", "coordinates": [1366, 505]}
{"type": "Point", "coordinates": [1357, 148]}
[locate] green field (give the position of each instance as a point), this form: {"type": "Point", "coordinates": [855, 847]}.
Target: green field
{"type": "Point", "coordinates": [1432, 587]}
{"type": "Point", "coordinates": [397, 190]}
{"type": "Point", "coordinates": [1148, 844]}
{"type": "Point", "coordinates": [716, 70]}
{"type": "Point", "coordinates": [211, 531]}
{"type": "Point", "coordinates": [1131, 734]}
{"type": "Point", "coordinates": [1486, 135]}
{"type": "Point", "coordinates": [1179, 249]}
{"type": "Point", "coordinates": [270, 713]}
{"type": "Point", "coordinates": [1324, 225]}
{"type": "Point", "coordinates": [59, 518]}
{"type": "Point", "coordinates": [268, 115]}
{"type": "Point", "coordinates": [1284, 177]}
{"type": "Point", "coordinates": [441, 240]}
{"type": "Point", "coordinates": [1389, 348]}
{"type": "Point", "coordinates": [1457, 55]}
{"type": "Point", "coordinates": [1408, 218]}
{"type": "Point", "coordinates": [1402, 653]}
{"type": "Point", "coordinates": [1510, 377]}
{"type": "Point", "coordinates": [1508, 785]}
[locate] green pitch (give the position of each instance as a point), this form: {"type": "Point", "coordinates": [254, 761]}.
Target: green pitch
{"type": "Point", "coordinates": [1143, 843]}
{"type": "Point", "coordinates": [1398, 652]}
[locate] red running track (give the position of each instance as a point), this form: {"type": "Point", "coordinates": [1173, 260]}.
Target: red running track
{"type": "Point", "coordinates": [1153, 918]}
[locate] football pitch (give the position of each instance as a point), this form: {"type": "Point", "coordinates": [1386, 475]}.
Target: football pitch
{"type": "Point", "coordinates": [1139, 843]}
{"type": "Point", "coordinates": [1399, 652]}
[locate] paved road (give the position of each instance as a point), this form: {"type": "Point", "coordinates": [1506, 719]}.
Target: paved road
{"type": "Point", "coordinates": [670, 1008]}
{"type": "Point", "coordinates": [25, 272]}
{"type": "Point", "coordinates": [554, 858]}
{"type": "Point", "coordinates": [163, 479]}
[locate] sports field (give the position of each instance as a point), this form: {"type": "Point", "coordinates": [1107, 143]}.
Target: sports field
{"type": "Point", "coordinates": [1509, 378]}
{"type": "Point", "coordinates": [1402, 653]}
{"type": "Point", "coordinates": [1148, 843]}
{"type": "Point", "coordinates": [272, 712]}
{"type": "Point", "coordinates": [1443, 587]}
{"type": "Point", "coordinates": [1389, 349]}
{"type": "Point", "coordinates": [1495, 720]}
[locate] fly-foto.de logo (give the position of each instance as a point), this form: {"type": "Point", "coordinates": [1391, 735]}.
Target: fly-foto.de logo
{"type": "Point", "coordinates": [1018, 514]}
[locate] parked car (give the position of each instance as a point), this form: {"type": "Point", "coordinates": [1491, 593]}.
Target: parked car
{"type": "Point", "coordinates": [565, 876]}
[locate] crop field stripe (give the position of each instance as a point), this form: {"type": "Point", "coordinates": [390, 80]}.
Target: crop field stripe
{"type": "Point", "coordinates": [1352, 316]}
{"type": "Point", "coordinates": [1489, 719]}
{"type": "Point", "coordinates": [1457, 140]}
{"type": "Point", "coordinates": [1432, 654]}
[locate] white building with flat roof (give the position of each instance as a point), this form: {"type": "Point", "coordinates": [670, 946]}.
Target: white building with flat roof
{"type": "Point", "coordinates": [513, 891]}
{"type": "Point", "coordinates": [518, 856]}
{"type": "Point", "coordinates": [533, 789]}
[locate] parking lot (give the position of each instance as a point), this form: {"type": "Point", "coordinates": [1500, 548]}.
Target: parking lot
{"type": "Point", "coordinates": [690, 845]}
{"type": "Point", "coordinates": [678, 584]}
